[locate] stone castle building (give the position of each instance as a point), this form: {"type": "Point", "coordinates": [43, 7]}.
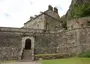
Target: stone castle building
{"type": "Point", "coordinates": [43, 34]}
{"type": "Point", "coordinates": [48, 20]}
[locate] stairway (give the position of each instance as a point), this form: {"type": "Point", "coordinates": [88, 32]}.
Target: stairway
{"type": "Point", "coordinates": [27, 55]}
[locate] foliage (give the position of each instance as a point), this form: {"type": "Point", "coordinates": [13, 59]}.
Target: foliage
{"type": "Point", "coordinates": [80, 10]}
{"type": "Point", "coordinates": [76, 11]}
{"type": "Point", "coordinates": [64, 24]}
{"type": "Point", "coordinates": [74, 60]}
{"type": "Point", "coordinates": [85, 54]}
{"type": "Point", "coordinates": [86, 13]}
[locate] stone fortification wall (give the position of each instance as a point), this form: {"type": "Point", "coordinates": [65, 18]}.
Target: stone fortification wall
{"type": "Point", "coordinates": [10, 45]}
{"type": "Point", "coordinates": [48, 42]}
{"type": "Point", "coordinates": [78, 23]}
{"type": "Point", "coordinates": [24, 30]}
{"type": "Point", "coordinates": [73, 41]}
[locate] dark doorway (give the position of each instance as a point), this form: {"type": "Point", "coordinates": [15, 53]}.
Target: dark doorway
{"type": "Point", "coordinates": [28, 44]}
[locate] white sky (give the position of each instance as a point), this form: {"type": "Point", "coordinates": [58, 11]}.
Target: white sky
{"type": "Point", "coordinates": [14, 13]}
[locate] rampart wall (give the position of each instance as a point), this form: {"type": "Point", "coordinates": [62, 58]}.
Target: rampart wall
{"type": "Point", "coordinates": [46, 42]}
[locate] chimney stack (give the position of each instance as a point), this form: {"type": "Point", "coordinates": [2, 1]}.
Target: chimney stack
{"type": "Point", "coordinates": [41, 12]}
{"type": "Point", "coordinates": [31, 18]}
{"type": "Point", "coordinates": [50, 7]}
{"type": "Point", "coordinates": [55, 10]}
{"type": "Point", "coordinates": [35, 15]}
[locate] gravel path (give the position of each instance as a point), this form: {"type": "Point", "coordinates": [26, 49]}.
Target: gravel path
{"type": "Point", "coordinates": [21, 63]}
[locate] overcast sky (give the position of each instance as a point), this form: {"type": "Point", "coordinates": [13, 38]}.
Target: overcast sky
{"type": "Point", "coordinates": [14, 13]}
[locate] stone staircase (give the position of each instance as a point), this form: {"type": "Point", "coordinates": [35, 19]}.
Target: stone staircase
{"type": "Point", "coordinates": [27, 55]}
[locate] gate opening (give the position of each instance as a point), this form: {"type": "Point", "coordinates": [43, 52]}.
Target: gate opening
{"type": "Point", "coordinates": [28, 44]}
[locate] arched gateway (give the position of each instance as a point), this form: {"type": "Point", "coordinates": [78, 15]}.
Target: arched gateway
{"type": "Point", "coordinates": [27, 52]}
{"type": "Point", "coordinates": [27, 44]}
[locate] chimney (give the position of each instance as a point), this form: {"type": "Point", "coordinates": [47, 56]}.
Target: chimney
{"type": "Point", "coordinates": [41, 12]}
{"type": "Point", "coordinates": [35, 15]}
{"type": "Point", "coordinates": [50, 7]}
{"type": "Point", "coordinates": [31, 18]}
{"type": "Point", "coordinates": [55, 10]}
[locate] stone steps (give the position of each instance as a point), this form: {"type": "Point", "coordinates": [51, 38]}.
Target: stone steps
{"type": "Point", "coordinates": [27, 55]}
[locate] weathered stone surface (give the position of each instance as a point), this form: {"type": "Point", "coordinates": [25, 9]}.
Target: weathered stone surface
{"type": "Point", "coordinates": [78, 23]}
{"type": "Point", "coordinates": [10, 45]}
{"type": "Point", "coordinates": [46, 43]}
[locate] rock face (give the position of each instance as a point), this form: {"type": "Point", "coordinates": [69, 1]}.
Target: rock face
{"type": "Point", "coordinates": [79, 1]}
{"type": "Point", "coordinates": [77, 9]}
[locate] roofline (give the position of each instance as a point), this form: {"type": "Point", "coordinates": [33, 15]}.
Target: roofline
{"type": "Point", "coordinates": [40, 15]}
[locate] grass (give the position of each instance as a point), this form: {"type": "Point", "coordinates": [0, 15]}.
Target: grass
{"type": "Point", "coordinates": [74, 60]}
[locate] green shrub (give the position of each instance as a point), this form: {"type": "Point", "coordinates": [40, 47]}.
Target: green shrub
{"type": "Point", "coordinates": [85, 54]}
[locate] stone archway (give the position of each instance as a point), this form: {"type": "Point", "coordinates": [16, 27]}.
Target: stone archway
{"type": "Point", "coordinates": [27, 48]}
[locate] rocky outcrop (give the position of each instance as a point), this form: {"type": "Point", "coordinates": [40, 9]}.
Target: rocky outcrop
{"type": "Point", "coordinates": [78, 8]}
